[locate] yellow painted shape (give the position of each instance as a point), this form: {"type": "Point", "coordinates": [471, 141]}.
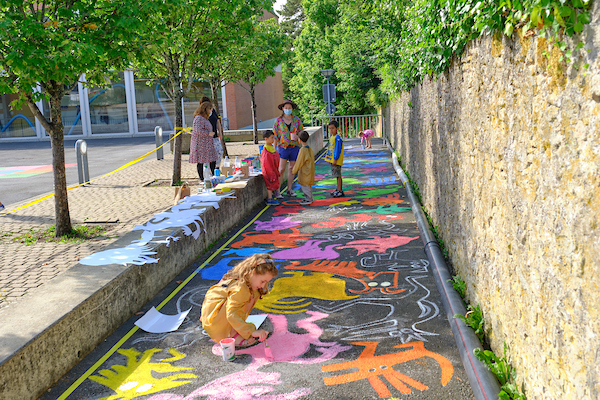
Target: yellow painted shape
{"type": "Point", "coordinates": [302, 285]}
{"type": "Point", "coordinates": [345, 203]}
{"type": "Point", "coordinates": [135, 379]}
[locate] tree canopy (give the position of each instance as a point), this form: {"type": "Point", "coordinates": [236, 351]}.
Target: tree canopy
{"type": "Point", "coordinates": [381, 48]}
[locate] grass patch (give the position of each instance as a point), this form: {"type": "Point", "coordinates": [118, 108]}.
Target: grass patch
{"type": "Point", "coordinates": [79, 234]}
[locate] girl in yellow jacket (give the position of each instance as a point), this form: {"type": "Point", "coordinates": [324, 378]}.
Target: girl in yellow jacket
{"type": "Point", "coordinates": [228, 303]}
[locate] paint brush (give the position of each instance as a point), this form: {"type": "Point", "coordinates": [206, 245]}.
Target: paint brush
{"type": "Point", "coordinates": [268, 353]}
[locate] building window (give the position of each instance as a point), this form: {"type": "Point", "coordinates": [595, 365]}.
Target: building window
{"type": "Point", "coordinates": [15, 123]}
{"type": "Point", "coordinates": [153, 107]}
{"type": "Point", "coordinates": [108, 108]}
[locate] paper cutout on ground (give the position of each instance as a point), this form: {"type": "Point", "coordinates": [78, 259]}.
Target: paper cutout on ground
{"type": "Point", "coordinates": [257, 320]}
{"type": "Point", "coordinates": [156, 322]}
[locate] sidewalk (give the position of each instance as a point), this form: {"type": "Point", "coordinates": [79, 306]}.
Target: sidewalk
{"type": "Point", "coordinates": [119, 202]}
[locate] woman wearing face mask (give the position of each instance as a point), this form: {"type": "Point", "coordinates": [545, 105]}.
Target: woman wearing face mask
{"type": "Point", "coordinates": [286, 129]}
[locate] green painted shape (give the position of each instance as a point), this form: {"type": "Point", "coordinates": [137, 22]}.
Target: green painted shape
{"type": "Point", "coordinates": [346, 181]}
{"type": "Point", "coordinates": [392, 209]}
{"type": "Point", "coordinates": [378, 192]}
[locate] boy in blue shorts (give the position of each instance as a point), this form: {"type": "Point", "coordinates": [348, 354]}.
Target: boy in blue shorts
{"type": "Point", "coordinates": [335, 156]}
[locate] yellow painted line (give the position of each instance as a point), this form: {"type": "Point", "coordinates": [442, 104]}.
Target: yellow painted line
{"type": "Point", "coordinates": [113, 349]}
{"type": "Point", "coordinates": [90, 181]}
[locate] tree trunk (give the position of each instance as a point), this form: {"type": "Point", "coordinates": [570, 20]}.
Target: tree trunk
{"type": "Point", "coordinates": [61, 201]}
{"type": "Point", "coordinates": [214, 85]}
{"type": "Point", "coordinates": [254, 127]}
{"type": "Point", "coordinates": [178, 140]}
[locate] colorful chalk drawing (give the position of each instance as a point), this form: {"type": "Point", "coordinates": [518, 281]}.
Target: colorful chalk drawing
{"type": "Point", "coordinates": [370, 280]}
{"type": "Point", "coordinates": [387, 209]}
{"type": "Point", "coordinates": [356, 220]}
{"type": "Point", "coordinates": [378, 244]}
{"type": "Point", "coordinates": [289, 347]}
{"type": "Point", "coordinates": [346, 279]}
{"type": "Point", "coordinates": [136, 379]}
{"type": "Point", "coordinates": [393, 198]}
{"type": "Point", "coordinates": [370, 367]}
{"type": "Point", "coordinates": [277, 239]}
{"type": "Point", "coordinates": [309, 250]}
{"type": "Point", "coordinates": [303, 286]}
{"type": "Point", "coordinates": [276, 224]}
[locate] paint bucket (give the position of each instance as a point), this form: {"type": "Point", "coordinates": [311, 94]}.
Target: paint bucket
{"type": "Point", "coordinates": [228, 347]}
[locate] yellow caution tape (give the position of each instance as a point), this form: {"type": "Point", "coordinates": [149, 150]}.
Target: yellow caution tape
{"type": "Point", "coordinates": [181, 130]}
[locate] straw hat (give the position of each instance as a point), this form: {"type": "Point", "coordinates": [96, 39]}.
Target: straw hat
{"type": "Point", "coordinates": [287, 101]}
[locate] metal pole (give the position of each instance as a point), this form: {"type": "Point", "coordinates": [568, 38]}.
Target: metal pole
{"type": "Point", "coordinates": [328, 100]}
{"type": "Point", "coordinates": [159, 141]}
{"type": "Point", "coordinates": [82, 161]}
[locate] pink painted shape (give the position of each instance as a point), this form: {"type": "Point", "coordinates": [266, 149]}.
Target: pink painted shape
{"type": "Point", "coordinates": [287, 346]}
{"type": "Point", "coordinates": [276, 224]}
{"type": "Point", "coordinates": [252, 384]}
{"type": "Point", "coordinates": [378, 244]}
{"type": "Point", "coordinates": [308, 251]}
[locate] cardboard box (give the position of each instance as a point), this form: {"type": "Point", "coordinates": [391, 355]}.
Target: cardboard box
{"type": "Point", "coordinates": [226, 171]}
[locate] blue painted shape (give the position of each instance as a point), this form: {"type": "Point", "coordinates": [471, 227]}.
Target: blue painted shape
{"type": "Point", "coordinates": [215, 272]}
{"type": "Point", "coordinates": [246, 251]}
{"type": "Point", "coordinates": [10, 121]}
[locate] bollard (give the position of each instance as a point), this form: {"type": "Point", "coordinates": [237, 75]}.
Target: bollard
{"type": "Point", "coordinates": [159, 142]}
{"type": "Point", "coordinates": [82, 161]}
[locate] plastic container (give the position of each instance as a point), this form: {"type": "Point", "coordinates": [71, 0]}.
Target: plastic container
{"type": "Point", "coordinates": [226, 162]}
{"type": "Point", "coordinates": [207, 179]}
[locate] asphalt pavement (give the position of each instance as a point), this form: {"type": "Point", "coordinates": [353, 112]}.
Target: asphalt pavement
{"type": "Point", "coordinates": [33, 160]}
{"type": "Point", "coordinates": [354, 312]}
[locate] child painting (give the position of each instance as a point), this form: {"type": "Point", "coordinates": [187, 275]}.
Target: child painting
{"type": "Point", "coordinates": [228, 303]}
{"type": "Point", "coordinates": [365, 136]}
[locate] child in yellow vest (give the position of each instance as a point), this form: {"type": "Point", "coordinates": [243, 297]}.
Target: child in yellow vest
{"type": "Point", "coordinates": [335, 156]}
{"type": "Point", "coordinates": [305, 168]}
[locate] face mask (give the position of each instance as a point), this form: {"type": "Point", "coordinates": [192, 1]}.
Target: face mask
{"type": "Point", "coordinates": [287, 111]}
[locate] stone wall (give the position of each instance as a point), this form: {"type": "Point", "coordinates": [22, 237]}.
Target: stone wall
{"type": "Point", "coordinates": [505, 148]}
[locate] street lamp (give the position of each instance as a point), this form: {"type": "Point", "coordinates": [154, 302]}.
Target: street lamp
{"type": "Point", "coordinates": [328, 73]}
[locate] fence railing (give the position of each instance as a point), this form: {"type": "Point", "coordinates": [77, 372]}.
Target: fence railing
{"type": "Point", "coordinates": [351, 125]}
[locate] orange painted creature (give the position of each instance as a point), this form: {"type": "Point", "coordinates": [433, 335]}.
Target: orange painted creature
{"type": "Point", "coordinates": [371, 366]}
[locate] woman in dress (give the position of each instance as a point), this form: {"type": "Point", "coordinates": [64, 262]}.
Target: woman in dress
{"type": "Point", "coordinates": [286, 129]}
{"type": "Point", "coordinates": [202, 148]}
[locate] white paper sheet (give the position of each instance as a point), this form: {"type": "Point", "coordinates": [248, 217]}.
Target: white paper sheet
{"type": "Point", "coordinates": [257, 320]}
{"type": "Point", "coordinates": [156, 322]}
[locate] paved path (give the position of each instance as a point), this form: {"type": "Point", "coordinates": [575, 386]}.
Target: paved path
{"type": "Point", "coordinates": [354, 312]}
{"type": "Point", "coordinates": [118, 197]}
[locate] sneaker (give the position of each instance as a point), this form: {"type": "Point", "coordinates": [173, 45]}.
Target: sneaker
{"type": "Point", "coordinates": [334, 193]}
{"type": "Point", "coordinates": [278, 195]}
{"type": "Point", "coordinates": [338, 194]}
{"type": "Point", "coordinates": [305, 203]}
{"type": "Point", "coordinates": [292, 194]}
{"type": "Point", "coordinates": [272, 202]}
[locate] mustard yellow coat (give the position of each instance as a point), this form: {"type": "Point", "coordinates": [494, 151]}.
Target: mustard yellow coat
{"type": "Point", "coordinates": [225, 307]}
{"type": "Point", "coordinates": [305, 166]}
